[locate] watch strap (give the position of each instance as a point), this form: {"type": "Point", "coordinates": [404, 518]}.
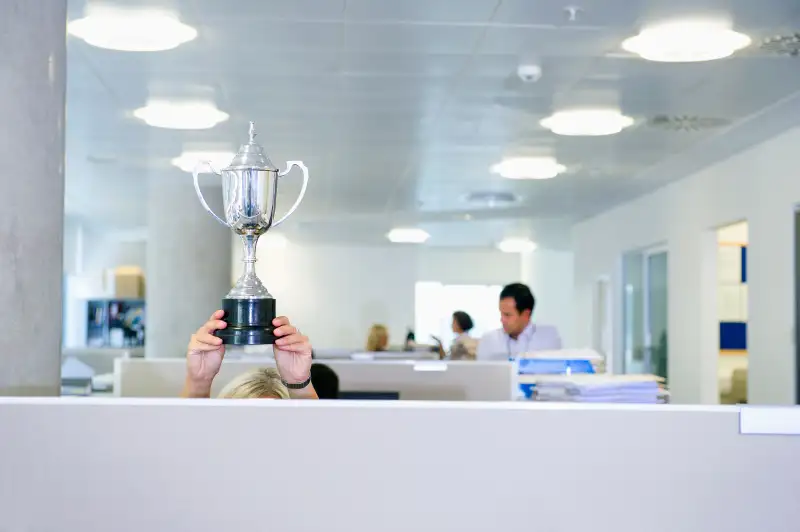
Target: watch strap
{"type": "Point", "coordinates": [298, 385]}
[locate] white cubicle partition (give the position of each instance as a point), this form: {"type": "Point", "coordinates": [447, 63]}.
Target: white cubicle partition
{"type": "Point", "coordinates": [348, 354]}
{"type": "Point", "coordinates": [413, 380]}
{"type": "Point", "coordinates": [129, 465]}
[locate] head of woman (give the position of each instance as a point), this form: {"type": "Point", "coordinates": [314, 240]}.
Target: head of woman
{"type": "Point", "coordinates": [462, 323]}
{"type": "Point", "coordinates": [378, 338]}
{"type": "Point", "coordinates": [261, 383]}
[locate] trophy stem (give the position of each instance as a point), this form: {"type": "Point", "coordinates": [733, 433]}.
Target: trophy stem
{"type": "Point", "coordinates": [249, 286]}
{"type": "Point", "coordinates": [249, 258]}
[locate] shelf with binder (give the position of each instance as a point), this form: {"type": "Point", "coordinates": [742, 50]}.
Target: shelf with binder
{"type": "Point", "coordinates": [115, 322]}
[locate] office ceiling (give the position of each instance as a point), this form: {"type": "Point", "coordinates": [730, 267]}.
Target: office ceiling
{"type": "Point", "coordinates": [399, 108]}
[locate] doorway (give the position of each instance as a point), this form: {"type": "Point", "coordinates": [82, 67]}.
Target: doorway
{"type": "Point", "coordinates": [732, 312]}
{"type": "Point", "coordinates": [645, 308]}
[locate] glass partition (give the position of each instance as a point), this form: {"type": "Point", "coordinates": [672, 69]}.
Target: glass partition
{"type": "Point", "coordinates": [644, 338]}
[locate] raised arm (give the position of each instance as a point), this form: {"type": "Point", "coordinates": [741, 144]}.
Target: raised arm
{"type": "Point", "coordinates": [293, 356]}
{"type": "Point", "coordinates": [204, 358]}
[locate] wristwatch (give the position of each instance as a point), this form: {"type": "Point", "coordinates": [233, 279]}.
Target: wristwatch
{"type": "Point", "coordinates": [298, 385]}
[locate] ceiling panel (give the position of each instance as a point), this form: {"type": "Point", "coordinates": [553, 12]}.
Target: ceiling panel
{"type": "Point", "coordinates": [591, 13]}
{"type": "Point", "coordinates": [377, 64]}
{"type": "Point", "coordinates": [399, 108]}
{"type": "Point", "coordinates": [421, 11]}
{"type": "Point", "coordinates": [546, 42]}
{"type": "Point", "coordinates": [270, 11]}
{"type": "Point", "coordinates": [426, 39]}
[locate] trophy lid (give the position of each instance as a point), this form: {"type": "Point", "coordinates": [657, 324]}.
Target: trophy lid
{"type": "Point", "coordinates": [251, 156]}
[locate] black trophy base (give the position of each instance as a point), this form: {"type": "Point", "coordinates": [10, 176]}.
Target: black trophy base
{"type": "Point", "coordinates": [249, 322]}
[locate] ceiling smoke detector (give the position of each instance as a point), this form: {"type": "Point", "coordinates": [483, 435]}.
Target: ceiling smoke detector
{"type": "Point", "coordinates": [687, 122]}
{"type": "Point", "coordinates": [492, 199]}
{"type": "Point", "coordinates": [783, 44]}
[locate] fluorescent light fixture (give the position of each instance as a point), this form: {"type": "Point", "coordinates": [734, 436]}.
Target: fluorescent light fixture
{"type": "Point", "coordinates": [188, 160]}
{"type": "Point", "coordinates": [516, 245]}
{"type": "Point", "coordinates": [131, 30]}
{"type": "Point", "coordinates": [587, 122]}
{"type": "Point", "coordinates": [274, 241]}
{"type": "Point", "coordinates": [686, 41]}
{"type": "Point", "coordinates": [407, 235]}
{"type": "Point", "coordinates": [528, 168]}
{"type": "Point", "coordinates": [180, 115]}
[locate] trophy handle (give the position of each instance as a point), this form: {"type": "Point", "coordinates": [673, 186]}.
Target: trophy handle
{"type": "Point", "coordinates": [196, 173]}
{"type": "Point", "coordinates": [289, 166]}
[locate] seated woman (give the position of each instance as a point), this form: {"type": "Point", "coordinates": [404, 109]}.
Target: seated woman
{"type": "Point", "coordinates": [411, 341]}
{"type": "Point", "coordinates": [291, 379]}
{"type": "Point", "coordinates": [378, 338]}
{"type": "Point", "coordinates": [464, 346]}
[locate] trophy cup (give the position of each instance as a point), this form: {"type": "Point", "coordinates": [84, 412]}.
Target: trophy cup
{"type": "Point", "coordinates": [249, 195]}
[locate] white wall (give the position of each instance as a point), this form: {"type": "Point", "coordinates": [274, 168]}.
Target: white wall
{"type": "Point", "coordinates": [73, 246]}
{"type": "Point", "coordinates": [88, 251]}
{"type": "Point", "coordinates": [550, 275]}
{"type": "Point", "coordinates": [334, 293]}
{"type": "Point", "coordinates": [760, 185]}
{"type": "Point", "coordinates": [101, 252]}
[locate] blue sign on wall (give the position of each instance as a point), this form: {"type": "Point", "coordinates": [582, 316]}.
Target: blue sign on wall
{"type": "Point", "coordinates": [733, 336]}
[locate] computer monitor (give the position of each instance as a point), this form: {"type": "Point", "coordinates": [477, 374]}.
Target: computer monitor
{"type": "Point", "coordinates": [366, 396]}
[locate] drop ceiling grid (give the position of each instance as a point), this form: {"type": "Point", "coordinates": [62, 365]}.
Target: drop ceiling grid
{"type": "Point", "coordinates": [391, 41]}
{"type": "Point", "coordinates": [473, 45]}
{"type": "Point", "coordinates": [391, 102]}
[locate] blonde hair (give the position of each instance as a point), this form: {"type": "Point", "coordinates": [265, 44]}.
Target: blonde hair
{"type": "Point", "coordinates": [378, 338]}
{"type": "Point", "coordinates": [261, 383]}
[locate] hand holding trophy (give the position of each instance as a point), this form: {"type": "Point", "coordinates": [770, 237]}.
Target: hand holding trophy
{"type": "Point", "coordinates": [249, 195]}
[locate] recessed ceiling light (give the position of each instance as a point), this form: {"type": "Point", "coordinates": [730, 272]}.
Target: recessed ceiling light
{"type": "Point", "coordinates": [516, 245]}
{"type": "Point", "coordinates": [587, 122]}
{"type": "Point", "coordinates": [189, 160]}
{"type": "Point", "coordinates": [180, 115]}
{"type": "Point", "coordinates": [686, 41]}
{"type": "Point", "coordinates": [528, 168]}
{"type": "Point", "coordinates": [131, 30]}
{"type": "Point", "coordinates": [407, 235]}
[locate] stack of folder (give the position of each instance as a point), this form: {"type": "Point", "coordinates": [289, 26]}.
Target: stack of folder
{"type": "Point", "coordinates": [588, 388]}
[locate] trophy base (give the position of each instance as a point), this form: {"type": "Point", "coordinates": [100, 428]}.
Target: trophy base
{"type": "Point", "coordinates": [249, 322]}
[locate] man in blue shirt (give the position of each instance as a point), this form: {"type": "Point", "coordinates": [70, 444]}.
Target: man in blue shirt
{"type": "Point", "coordinates": [518, 335]}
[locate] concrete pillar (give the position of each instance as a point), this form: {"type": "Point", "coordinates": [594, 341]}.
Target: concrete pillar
{"type": "Point", "coordinates": [32, 92]}
{"type": "Point", "coordinates": [188, 263]}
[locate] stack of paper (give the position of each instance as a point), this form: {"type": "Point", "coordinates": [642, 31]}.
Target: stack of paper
{"type": "Point", "coordinates": [599, 389]}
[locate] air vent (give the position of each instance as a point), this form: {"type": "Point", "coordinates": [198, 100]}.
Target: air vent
{"type": "Point", "coordinates": [101, 159]}
{"type": "Point", "coordinates": [783, 44]}
{"type": "Point", "coordinates": [686, 122]}
{"type": "Point", "coordinates": [492, 199]}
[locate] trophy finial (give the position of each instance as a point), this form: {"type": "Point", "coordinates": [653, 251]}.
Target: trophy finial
{"type": "Point", "coordinates": [252, 132]}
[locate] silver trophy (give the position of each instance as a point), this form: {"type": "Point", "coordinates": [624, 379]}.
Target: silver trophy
{"type": "Point", "coordinates": [249, 195]}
